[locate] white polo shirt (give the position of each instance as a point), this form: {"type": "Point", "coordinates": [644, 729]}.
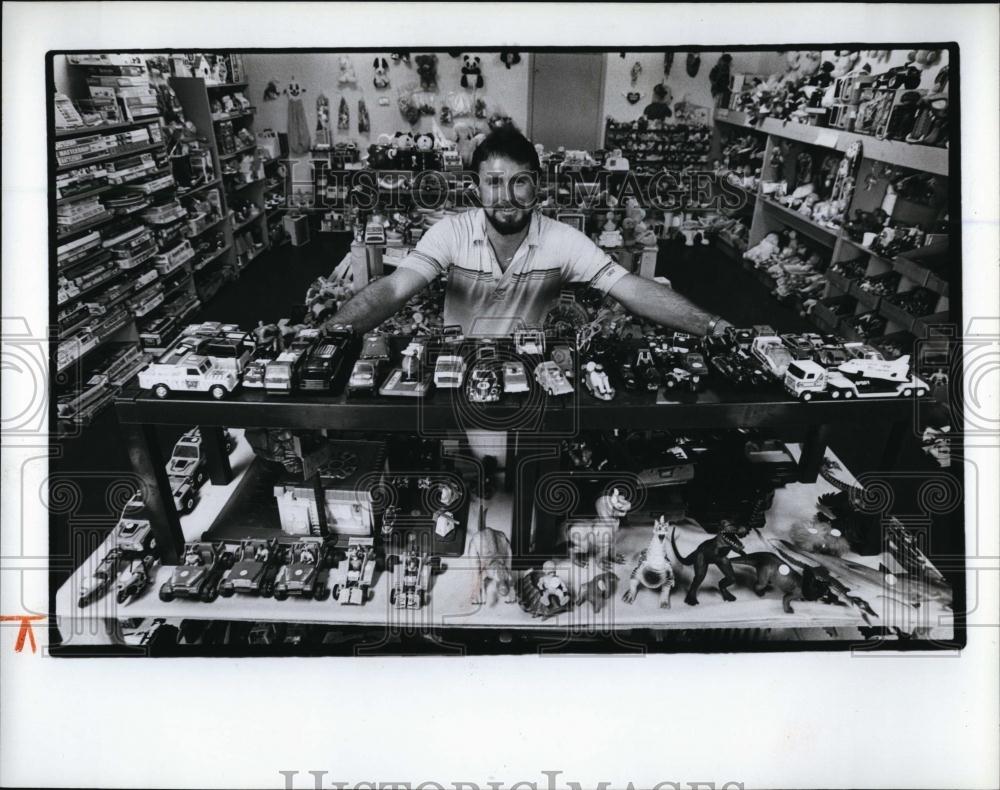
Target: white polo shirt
{"type": "Point", "coordinates": [483, 299]}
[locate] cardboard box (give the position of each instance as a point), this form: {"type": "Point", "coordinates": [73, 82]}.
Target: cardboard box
{"type": "Point", "coordinates": [297, 229]}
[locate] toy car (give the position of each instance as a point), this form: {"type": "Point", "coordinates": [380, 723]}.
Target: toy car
{"type": "Point", "coordinates": [256, 563]}
{"type": "Point", "coordinates": [798, 346]}
{"type": "Point", "coordinates": [134, 579]}
{"type": "Point", "coordinates": [193, 373]}
{"type": "Point", "coordinates": [829, 356]}
{"type": "Point", "coordinates": [306, 572]}
{"type": "Point", "coordinates": [364, 377]}
{"type": "Point", "coordinates": [515, 377]}
{"type": "Point", "coordinates": [98, 583]}
{"type": "Point", "coordinates": [595, 379]}
{"type": "Point", "coordinates": [449, 371]}
{"type": "Point", "coordinates": [374, 233]}
{"type": "Point", "coordinates": [255, 372]}
{"type": "Point", "coordinates": [773, 354]}
{"type": "Point", "coordinates": [359, 574]}
{"type": "Point", "coordinates": [646, 370]}
{"type": "Point", "coordinates": [861, 378]}
{"type": "Point", "coordinates": [199, 574]}
{"type": "Point", "coordinates": [325, 359]}
{"type": "Point", "coordinates": [863, 351]}
{"type": "Point", "coordinates": [411, 577]}
{"type": "Point", "coordinates": [184, 493]}
{"type": "Point", "coordinates": [551, 379]}
{"type": "Point", "coordinates": [530, 342]}
{"type": "Point", "coordinates": [483, 385]}
{"type": "Point", "coordinates": [375, 346]}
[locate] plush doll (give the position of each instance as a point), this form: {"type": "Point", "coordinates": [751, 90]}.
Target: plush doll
{"type": "Point", "coordinates": [364, 122]}
{"type": "Point", "coordinates": [844, 62]}
{"type": "Point", "coordinates": [766, 248]}
{"type": "Point", "coordinates": [509, 58]}
{"type": "Point", "coordinates": [343, 115]}
{"type": "Point", "coordinates": [668, 62]}
{"type": "Point", "coordinates": [480, 109]}
{"type": "Point", "coordinates": [427, 69]}
{"type": "Point", "coordinates": [635, 72]}
{"type": "Point", "coordinates": [381, 79]}
{"type": "Point", "coordinates": [692, 64]}
{"type": "Point", "coordinates": [400, 57]}
{"type": "Point", "coordinates": [271, 91]}
{"type": "Point", "coordinates": [347, 73]}
{"type": "Point", "coordinates": [472, 76]}
{"type": "Point", "coordinates": [718, 78]}
{"type": "Point", "coordinates": [424, 154]}
{"type": "Point", "coordinates": [806, 209]}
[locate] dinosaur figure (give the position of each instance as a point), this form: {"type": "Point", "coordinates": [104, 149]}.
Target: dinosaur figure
{"type": "Point", "coordinates": [490, 549]}
{"type": "Point", "coordinates": [597, 535]}
{"type": "Point", "coordinates": [714, 551]}
{"type": "Point", "coordinates": [653, 569]}
{"type": "Point", "coordinates": [598, 590]}
{"type": "Point", "coordinates": [772, 571]}
{"type": "Point", "coordinates": [789, 554]}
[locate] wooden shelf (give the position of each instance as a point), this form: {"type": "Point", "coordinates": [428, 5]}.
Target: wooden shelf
{"type": "Point", "coordinates": [232, 116]}
{"type": "Point", "coordinates": [62, 134]}
{"type": "Point", "coordinates": [84, 195]}
{"type": "Point", "coordinates": [213, 257]}
{"type": "Point", "coordinates": [226, 85]}
{"type": "Point", "coordinates": [792, 218]}
{"type": "Point", "coordinates": [70, 231]}
{"type": "Point", "coordinates": [237, 152]}
{"type": "Point", "coordinates": [184, 193]}
{"type": "Point", "coordinates": [895, 152]}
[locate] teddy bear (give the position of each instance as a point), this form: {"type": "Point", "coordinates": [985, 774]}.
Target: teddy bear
{"type": "Point", "coordinates": [427, 69]}
{"type": "Point", "coordinates": [472, 76]}
{"type": "Point", "coordinates": [347, 74]}
{"type": "Point", "coordinates": [402, 150]}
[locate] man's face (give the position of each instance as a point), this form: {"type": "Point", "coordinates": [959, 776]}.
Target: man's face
{"type": "Point", "coordinates": [507, 191]}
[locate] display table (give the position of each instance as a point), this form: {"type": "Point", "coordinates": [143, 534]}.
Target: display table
{"type": "Point", "coordinates": [449, 604]}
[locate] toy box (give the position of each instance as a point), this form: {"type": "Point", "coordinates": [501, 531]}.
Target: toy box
{"type": "Point", "coordinates": [297, 229]}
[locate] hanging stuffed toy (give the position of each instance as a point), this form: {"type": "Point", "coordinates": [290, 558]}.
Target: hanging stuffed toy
{"type": "Point", "coordinates": [343, 115]}
{"type": "Point", "coordinates": [364, 123]}
{"type": "Point", "coordinates": [509, 58]}
{"type": "Point", "coordinates": [323, 136]}
{"type": "Point", "coordinates": [480, 111]}
{"type": "Point", "coordinates": [427, 69]}
{"type": "Point", "coordinates": [693, 64]}
{"type": "Point", "coordinates": [271, 92]}
{"type": "Point", "coordinates": [347, 73]}
{"type": "Point", "coordinates": [444, 115]}
{"type": "Point", "coordinates": [407, 106]}
{"type": "Point", "coordinates": [299, 141]}
{"type": "Point", "coordinates": [635, 72]}
{"type": "Point", "coordinates": [401, 57]}
{"type": "Point", "coordinates": [472, 76]}
{"type": "Point", "coordinates": [460, 104]}
{"type": "Point", "coordinates": [718, 78]}
{"type": "Point", "coordinates": [381, 79]}
{"type": "Point", "coordinates": [668, 62]}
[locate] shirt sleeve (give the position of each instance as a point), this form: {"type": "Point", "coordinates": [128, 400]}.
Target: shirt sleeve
{"type": "Point", "coordinates": [585, 262]}
{"type": "Point", "coordinates": [434, 252]}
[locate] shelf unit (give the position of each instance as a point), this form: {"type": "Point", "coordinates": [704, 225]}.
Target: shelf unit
{"type": "Point", "coordinates": [769, 215]}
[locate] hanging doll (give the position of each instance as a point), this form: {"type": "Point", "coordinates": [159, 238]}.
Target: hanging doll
{"type": "Point", "coordinates": [271, 92]}
{"type": "Point", "coordinates": [323, 137]}
{"type": "Point", "coordinates": [381, 79]}
{"type": "Point", "coordinates": [364, 123]}
{"type": "Point", "coordinates": [509, 58]}
{"type": "Point", "coordinates": [299, 141]}
{"type": "Point", "coordinates": [472, 76]}
{"type": "Point", "coordinates": [693, 64]}
{"type": "Point", "coordinates": [668, 62]}
{"type": "Point", "coordinates": [635, 72]}
{"type": "Point", "coordinates": [427, 69]}
{"type": "Point", "coordinates": [347, 74]}
{"type": "Point", "coordinates": [343, 115]}
{"type": "Point", "coordinates": [718, 77]}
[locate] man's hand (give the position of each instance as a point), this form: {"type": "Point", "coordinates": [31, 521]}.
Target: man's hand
{"type": "Point", "coordinates": [660, 303]}
{"type": "Point", "coordinates": [379, 300]}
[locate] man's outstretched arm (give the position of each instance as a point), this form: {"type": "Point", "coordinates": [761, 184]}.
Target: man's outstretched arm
{"type": "Point", "coordinates": [379, 300]}
{"type": "Point", "coordinates": [662, 304]}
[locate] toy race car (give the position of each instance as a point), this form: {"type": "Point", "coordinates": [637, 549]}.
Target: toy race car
{"type": "Point", "coordinates": [256, 564]}
{"type": "Point", "coordinates": [199, 573]}
{"type": "Point", "coordinates": [515, 378]}
{"type": "Point", "coordinates": [411, 577]}
{"type": "Point", "coordinates": [306, 572]}
{"type": "Point", "coordinates": [551, 379]}
{"type": "Point", "coordinates": [483, 385]}
{"type": "Point", "coordinates": [359, 574]}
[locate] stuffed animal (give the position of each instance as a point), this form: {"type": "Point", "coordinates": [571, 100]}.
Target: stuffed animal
{"type": "Point", "coordinates": [509, 58]}
{"type": "Point", "coordinates": [364, 122]}
{"type": "Point", "coordinates": [400, 57]}
{"type": "Point", "coordinates": [423, 156]}
{"type": "Point", "coordinates": [766, 248]}
{"type": "Point", "coordinates": [472, 76]}
{"type": "Point", "coordinates": [718, 78]}
{"type": "Point", "coordinates": [381, 79]}
{"type": "Point", "coordinates": [692, 64]}
{"type": "Point", "coordinates": [347, 73]}
{"type": "Point", "coordinates": [427, 69]}
{"type": "Point", "coordinates": [402, 150]}
{"type": "Point", "coordinates": [844, 62]}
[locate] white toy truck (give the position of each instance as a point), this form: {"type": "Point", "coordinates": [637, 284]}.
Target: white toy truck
{"type": "Point", "coordinates": [857, 378]}
{"type": "Point", "coordinates": [192, 373]}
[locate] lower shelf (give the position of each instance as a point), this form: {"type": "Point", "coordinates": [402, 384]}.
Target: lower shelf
{"type": "Point", "coordinates": [450, 601]}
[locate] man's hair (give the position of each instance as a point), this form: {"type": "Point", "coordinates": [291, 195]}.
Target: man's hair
{"type": "Point", "coordinates": [509, 143]}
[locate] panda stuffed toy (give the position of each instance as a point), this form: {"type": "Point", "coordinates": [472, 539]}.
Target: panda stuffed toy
{"type": "Point", "coordinates": [424, 157]}
{"type": "Point", "coordinates": [472, 76]}
{"type": "Point", "coordinates": [402, 151]}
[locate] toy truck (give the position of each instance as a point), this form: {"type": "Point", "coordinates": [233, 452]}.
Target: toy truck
{"type": "Point", "coordinates": [199, 574]}
{"type": "Point", "coordinates": [254, 570]}
{"type": "Point", "coordinates": [773, 354]}
{"type": "Point", "coordinates": [449, 371]}
{"type": "Point", "coordinates": [325, 360]}
{"type": "Point", "coordinates": [191, 373]}
{"type": "Point", "coordinates": [306, 572]}
{"type": "Point", "coordinates": [355, 586]}
{"type": "Point", "coordinates": [282, 373]}
{"type": "Point", "coordinates": [857, 378]}
{"type": "Point", "coordinates": [411, 576]}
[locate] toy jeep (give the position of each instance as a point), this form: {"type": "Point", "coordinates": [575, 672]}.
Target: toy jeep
{"type": "Point", "coordinates": [256, 564]}
{"type": "Point", "coordinates": [306, 572]}
{"type": "Point", "coordinates": [551, 379]}
{"type": "Point", "coordinates": [358, 576]}
{"type": "Point", "coordinates": [199, 574]}
{"type": "Point", "coordinates": [411, 577]}
{"type": "Point", "coordinates": [192, 373]}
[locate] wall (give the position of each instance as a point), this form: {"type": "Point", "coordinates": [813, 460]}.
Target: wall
{"type": "Point", "coordinates": [504, 90]}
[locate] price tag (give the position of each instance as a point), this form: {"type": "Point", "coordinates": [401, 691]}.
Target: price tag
{"type": "Point", "coordinates": [827, 139]}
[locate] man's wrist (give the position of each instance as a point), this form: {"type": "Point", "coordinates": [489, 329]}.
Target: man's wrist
{"type": "Point", "coordinates": [717, 326]}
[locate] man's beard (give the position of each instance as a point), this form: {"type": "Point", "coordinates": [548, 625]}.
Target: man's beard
{"type": "Point", "coordinates": [508, 227]}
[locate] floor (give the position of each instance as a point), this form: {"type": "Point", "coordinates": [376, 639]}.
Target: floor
{"type": "Point", "coordinates": [275, 283]}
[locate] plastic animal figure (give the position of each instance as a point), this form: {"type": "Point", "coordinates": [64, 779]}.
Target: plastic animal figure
{"type": "Point", "coordinates": [598, 590]}
{"type": "Point", "coordinates": [555, 593]}
{"type": "Point", "coordinates": [490, 549]}
{"type": "Point", "coordinates": [653, 569]}
{"type": "Point", "coordinates": [714, 551]}
{"type": "Point", "coordinates": [773, 572]}
{"type": "Point", "coordinates": [597, 536]}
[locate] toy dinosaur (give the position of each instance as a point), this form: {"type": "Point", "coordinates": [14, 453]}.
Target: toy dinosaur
{"type": "Point", "coordinates": [598, 590]}
{"type": "Point", "coordinates": [543, 593]}
{"type": "Point", "coordinates": [772, 571]}
{"type": "Point", "coordinates": [597, 535]}
{"type": "Point", "coordinates": [653, 569]}
{"type": "Point", "coordinates": [714, 551]}
{"type": "Point", "coordinates": [491, 552]}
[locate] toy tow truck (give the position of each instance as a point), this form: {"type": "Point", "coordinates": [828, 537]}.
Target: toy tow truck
{"type": "Point", "coordinates": [411, 576]}
{"type": "Point", "coordinates": [356, 582]}
{"type": "Point", "coordinates": [306, 571]}
{"type": "Point", "coordinates": [191, 373]}
{"type": "Point", "coordinates": [199, 574]}
{"type": "Point", "coordinates": [254, 570]}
